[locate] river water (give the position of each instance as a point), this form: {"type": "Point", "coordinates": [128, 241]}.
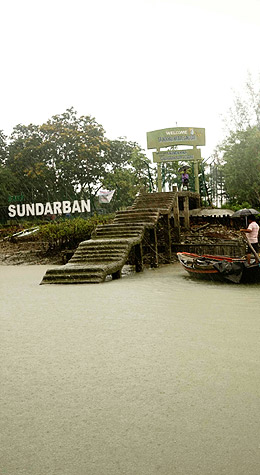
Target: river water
{"type": "Point", "coordinates": [152, 374]}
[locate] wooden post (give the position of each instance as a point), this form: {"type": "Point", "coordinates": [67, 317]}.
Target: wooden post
{"type": "Point", "coordinates": [196, 175]}
{"type": "Point", "coordinates": [186, 212]}
{"type": "Point", "coordinates": [176, 216]}
{"type": "Point", "coordinates": [167, 238]}
{"type": "Point", "coordinates": [138, 258]}
{"type": "Point", "coordinates": [159, 174]}
{"type": "Point", "coordinates": [153, 247]}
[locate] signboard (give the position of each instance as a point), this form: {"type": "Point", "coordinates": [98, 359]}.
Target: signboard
{"type": "Point", "coordinates": [176, 155]}
{"type": "Point", "coordinates": [57, 207]}
{"type": "Point", "coordinates": [175, 136]}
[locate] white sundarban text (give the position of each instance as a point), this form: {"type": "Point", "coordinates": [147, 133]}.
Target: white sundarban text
{"type": "Point", "coordinates": [57, 207]}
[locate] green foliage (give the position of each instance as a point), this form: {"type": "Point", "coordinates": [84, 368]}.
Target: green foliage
{"type": "Point", "coordinates": [7, 231]}
{"type": "Point", "coordinates": [3, 147]}
{"type": "Point", "coordinates": [235, 170]}
{"type": "Point", "coordinates": [170, 174]}
{"type": "Point", "coordinates": [58, 159]}
{"type": "Point", "coordinates": [245, 111]}
{"type": "Point", "coordinates": [241, 169]}
{"type": "Point", "coordinates": [69, 233]}
{"type": "Point", "coordinates": [236, 207]}
{"type": "Point", "coordinates": [8, 184]}
{"type": "Point", "coordinates": [128, 172]}
{"type": "Point", "coordinates": [75, 147]}
{"type": "Point", "coordinates": [70, 158]}
{"type": "Point", "coordinates": [26, 160]}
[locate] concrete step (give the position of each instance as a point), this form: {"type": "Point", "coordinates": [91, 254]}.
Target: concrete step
{"type": "Point", "coordinates": [136, 218]}
{"type": "Point", "coordinates": [68, 279]}
{"type": "Point", "coordinates": [74, 274]}
{"type": "Point", "coordinates": [118, 226]}
{"type": "Point", "coordinates": [104, 244]}
{"type": "Point", "coordinates": [140, 211]}
{"type": "Point", "coordinates": [95, 258]}
{"type": "Point", "coordinates": [163, 200]}
{"type": "Point", "coordinates": [122, 234]}
{"type": "Point", "coordinates": [101, 252]}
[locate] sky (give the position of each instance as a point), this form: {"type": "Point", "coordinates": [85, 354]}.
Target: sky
{"type": "Point", "coordinates": [134, 65]}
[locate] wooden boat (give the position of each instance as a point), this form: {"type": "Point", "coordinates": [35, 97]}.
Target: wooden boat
{"type": "Point", "coordinates": [220, 268]}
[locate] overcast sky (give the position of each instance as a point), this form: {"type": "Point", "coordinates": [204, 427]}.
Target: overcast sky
{"type": "Point", "coordinates": [135, 65]}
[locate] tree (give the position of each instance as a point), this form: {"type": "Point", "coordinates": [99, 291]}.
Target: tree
{"type": "Point", "coordinates": [3, 147]}
{"type": "Point", "coordinates": [75, 149]}
{"type": "Point", "coordinates": [60, 158]}
{"type": "Point", "coordinates": [8, 184]}
{"type": "Point", "coordinates": [239, 153]}
{"type": "Point", "coordinates": [245, 111]}
{"type": "Point", "coordinates": [128, 171]}
{"type": "Point", "coordinates": [241, 169]}
{"type": "Point", "coordinates": [170, 174]}
{"type": "Point", "coordinates": [27, 161]}
{"type": "Point", "coordinates": [69, 157]}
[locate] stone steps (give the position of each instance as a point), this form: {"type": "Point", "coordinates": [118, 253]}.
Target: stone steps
{"type": "Point", "coordinates": [92, 262]}
{"type": "Point", "coordinates": [118, 230]}
{"type": "Point", "coordinates": [145, 217]}
{"type": "Point", "coordinates": [162, 201]}
{"type": "Point", "coordinates": [72, 274]}
{"type": "Point", "coordinates": [101, 250]}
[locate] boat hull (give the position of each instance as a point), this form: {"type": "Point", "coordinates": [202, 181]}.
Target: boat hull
{"type": "Point", "coordinates": [219, 268]}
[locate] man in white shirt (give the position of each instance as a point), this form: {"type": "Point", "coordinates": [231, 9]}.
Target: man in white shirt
{"type": "Point", "coordinates": [252, 230]}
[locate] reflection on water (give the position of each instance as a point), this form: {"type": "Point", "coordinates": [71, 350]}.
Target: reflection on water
{"type": "Point", "coordinates": [154, 373]}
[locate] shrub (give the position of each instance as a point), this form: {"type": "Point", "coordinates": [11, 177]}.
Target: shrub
{"type": "Point", "coordinates": [68, 234]}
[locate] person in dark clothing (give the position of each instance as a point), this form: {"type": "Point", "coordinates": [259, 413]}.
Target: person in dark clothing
{"type": "Point", "coordinates": [185, 178]}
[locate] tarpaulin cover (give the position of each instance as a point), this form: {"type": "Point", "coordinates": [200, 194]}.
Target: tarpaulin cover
{"type": "Point", "coordinates": [231, 271]}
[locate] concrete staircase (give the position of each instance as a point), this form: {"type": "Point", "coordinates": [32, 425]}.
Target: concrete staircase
{"type": "Point", "coordinates": [163, 202]}
{"type": "Point", "coordinates": [110, 245]}
{"type": "Point", "coordinates": [91, 263]}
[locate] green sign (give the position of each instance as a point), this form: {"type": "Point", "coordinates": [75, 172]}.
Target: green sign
{"type": "Point", "coordinates": [175, 136]}
{"type": "Point", "coordinates": [15, 198]}
{"type": "Point", "coordinates": [176, 155]}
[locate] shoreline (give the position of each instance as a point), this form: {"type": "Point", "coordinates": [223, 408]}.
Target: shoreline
{"type": "Point", "coordinates": [27, 253]}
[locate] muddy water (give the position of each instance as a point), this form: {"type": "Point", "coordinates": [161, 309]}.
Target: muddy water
{"type": "Point", "coordinates": [153, 374]}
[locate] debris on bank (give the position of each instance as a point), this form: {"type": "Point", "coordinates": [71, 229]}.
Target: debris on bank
{"type": "Point", "coordinates": [210, 234]}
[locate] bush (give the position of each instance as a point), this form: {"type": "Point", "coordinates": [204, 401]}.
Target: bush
{"type": "Point", "coordinates": [68, 234]}
{"type": "Point", "coordinates": [236, 206]}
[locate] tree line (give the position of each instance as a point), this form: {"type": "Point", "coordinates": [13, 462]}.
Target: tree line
{"type": "Point", "coordinates": [68, 158]}
{"type": "Point", "coordinates": [234, 174]}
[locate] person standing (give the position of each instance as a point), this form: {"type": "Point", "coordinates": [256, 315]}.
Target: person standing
{"type": "Point", "coordinates": [185, 179]}
{"type": "Point", "coordinates": [252, 230]}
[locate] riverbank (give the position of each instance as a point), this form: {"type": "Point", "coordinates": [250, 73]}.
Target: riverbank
{"type": "Point", "coordinates": [27, 253]}
{"type": "Point", "coordinates": [24, 251]}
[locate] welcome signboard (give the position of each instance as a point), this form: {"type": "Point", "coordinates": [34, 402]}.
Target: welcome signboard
{"type": "Point", "coordinates": [175, 136]}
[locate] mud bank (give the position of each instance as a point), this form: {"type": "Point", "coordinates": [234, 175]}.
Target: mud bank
{"type": "Point", "coordinates": [27, 253]}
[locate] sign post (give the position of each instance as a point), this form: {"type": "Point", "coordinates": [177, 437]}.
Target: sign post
{"type": "Point", "coordinates": [161, 139]}
{"type": "Point", "coordinates": [159, 174]}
